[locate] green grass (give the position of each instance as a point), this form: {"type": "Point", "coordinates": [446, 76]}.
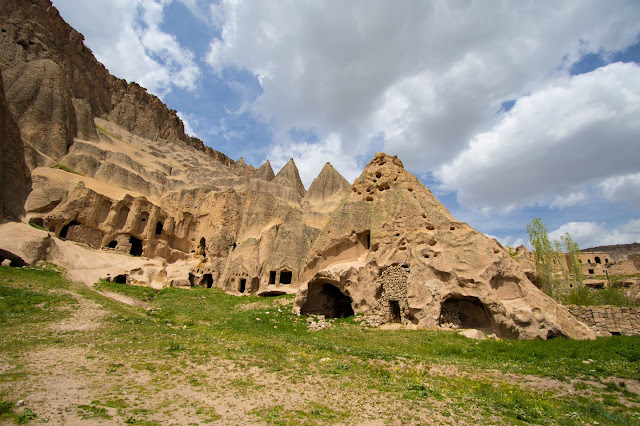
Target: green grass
{"type": "Point", "coordinates": [35, 225]}
{"type": "Point", "coordinates": [145, 294]}
{"type": "Point", "coordinates": [26, 416]}
{"type": "Point", "coordinates": [185, 332]}
{"type": "Point", "coordinates": [92, 411]}
{"type": "Point", "coordinates": [100, 129]}
{"type": "Point", "coordinates": [65, 168]}
{"type": "Point", "coordinates": [585, 296]}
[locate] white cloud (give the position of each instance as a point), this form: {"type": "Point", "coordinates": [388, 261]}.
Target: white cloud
{"type": "Point", "coordinates": [126, 37]}
{"type": "Point", "coordinates": [427, 75]}
{"type": "Point", "coordinates": [592, 234]}
{"type": "Point", "coordinates": [187, 119]}
{"type": "Point", "coordinates": [622, 189]}
{"type": "Point", "coordinates": [564, 201]}
{"type": "Point", "coordinates": [311, 158]}
{"type": "Point", "coordinates": [510, 241]}
{"type": "Point", "coordinates": [579, 130]}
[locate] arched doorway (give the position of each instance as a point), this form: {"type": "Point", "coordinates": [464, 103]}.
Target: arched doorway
{"type": "Point", "coordinates": [326, 299]}
{"type": "Point", "coordinates": [466, 312]}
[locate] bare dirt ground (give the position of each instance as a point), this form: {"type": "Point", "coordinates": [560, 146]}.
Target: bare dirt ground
{"type": "Point", "coordinates": [64, 381]}
{"type": "Point", "coordinates": [85, 372]}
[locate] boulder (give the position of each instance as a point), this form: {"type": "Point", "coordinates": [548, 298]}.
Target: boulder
{"type": "Point", "coordinates": [23, 244]}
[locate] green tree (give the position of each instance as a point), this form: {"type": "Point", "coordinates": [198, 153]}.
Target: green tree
{"type": "Point", "coordinates": [551, 259]}
{"type": "Point", "coordinates": [572, 250]}
{"type": "Point", "coordinates": [539, 239]}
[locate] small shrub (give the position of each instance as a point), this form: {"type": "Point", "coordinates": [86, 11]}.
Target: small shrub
{"type": "Point", "coordinates": [584, 296]}
{"type": "Point", "coordinates": [174, 347]}
{"type": "Point", "coordinates": [5, 407]}
{"type": "Point", "coordinates": [26, 416]}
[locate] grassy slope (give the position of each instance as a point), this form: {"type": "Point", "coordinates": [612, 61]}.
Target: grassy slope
{"type": "Point", "coordinates": [413, 375]}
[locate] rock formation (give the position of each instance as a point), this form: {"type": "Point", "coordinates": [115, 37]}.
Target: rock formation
{"type": "Point", "coordinates": [443, 271]}
{"type": "Point", "coordinates": [15, 179]}
{"type": "Point", "coordinates": [124, 194]}
{"type": "Point", "coordinates": [289, 177]}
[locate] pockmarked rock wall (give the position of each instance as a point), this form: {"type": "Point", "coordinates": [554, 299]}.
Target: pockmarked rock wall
{"type": "Point", "coordinates": [456, 274]}
{"type": "Point", "coordinates": [122, 193]}
{"type": "Point", "coordinates": [609, 320]}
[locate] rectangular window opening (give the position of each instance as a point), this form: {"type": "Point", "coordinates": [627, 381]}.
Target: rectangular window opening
{"type": "Point", "coordinates": [286, 277]}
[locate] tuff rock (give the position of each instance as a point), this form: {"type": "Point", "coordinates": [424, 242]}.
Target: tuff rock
{"type": "Point", "coordinates": [131, 198]}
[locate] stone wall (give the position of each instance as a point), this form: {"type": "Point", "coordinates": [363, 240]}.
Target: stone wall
{"type": "Point", "coordinates": [608, 320]}
{"type": "Point", "coordinates": [394, 289]}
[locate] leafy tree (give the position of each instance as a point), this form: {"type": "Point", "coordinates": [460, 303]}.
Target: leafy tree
{"type": "Point", "coordinates": [539, 239]}
{"type": "Point", "coordinates": [550, 258]}
{"type": "Point", "coordinates": [572, 249]}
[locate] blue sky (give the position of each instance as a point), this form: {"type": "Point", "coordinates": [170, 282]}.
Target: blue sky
{"type": "Point", "coordinates": [505, 110]}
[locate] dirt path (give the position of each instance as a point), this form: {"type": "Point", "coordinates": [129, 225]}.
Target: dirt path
{"type": "Point", "coordinates": [124, 299]}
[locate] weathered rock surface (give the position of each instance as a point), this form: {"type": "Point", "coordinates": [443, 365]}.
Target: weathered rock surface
{"type": "Point", "coordinates": [41, 102]}
{"type": "Point", "coordinates": [289, 176]}
{"type": "Point", "coordinates": [15, 179]}
{"type": "Point", "coordinates": [328, 183]}
{"type": "Point", "coordinates": [265, 172]}
{"type": "Point", "coordinates": [443, 270]}
{"type": "Point", "coordinates": [135, 200]}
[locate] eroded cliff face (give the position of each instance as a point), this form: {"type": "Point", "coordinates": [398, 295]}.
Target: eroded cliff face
{"type": "Point", "coordinates": [15, 178]}
{"type": "Point", "coordinates": [392, 250]}
{"type": "Point", "coordinates": [114, 174]}
{"type": "Point", "coordinates": [32, 31]}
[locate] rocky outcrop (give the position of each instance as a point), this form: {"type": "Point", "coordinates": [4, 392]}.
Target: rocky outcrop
{"type": "Point", "coordinates": [265, 172]}
{"type": "Point", "coordinates": [15, 179]}
{"type": "Point", "coordinates": [289, 177]}
{"type": "Point", "coordinates": [84, 118]}
{"type": "Point", "coordinates": [328, 184]}
{"type": "Point", "coordinates": [33, 30]}
{"type": "Point", "coordinates": [455, 276]}
{"type": "Point", "coordinates": [41, 102]}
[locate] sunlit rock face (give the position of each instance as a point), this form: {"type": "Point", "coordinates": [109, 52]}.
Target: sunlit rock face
{"type": "Point", "coordinates": [392, 249]}
{"type": "Point", "coordinates": [124, 194]}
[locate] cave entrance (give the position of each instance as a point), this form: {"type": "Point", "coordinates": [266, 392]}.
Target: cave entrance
{"type": "Point", "coordinates": [466, 312]}
{"type": "Point", "coordinates": [65, 229]}
{"type": "Point", "coordinates": [120, 279]}
{"type": "Point", "coordinates": [208, 280]}
{"type": "Point", "coordinates": [243, 285]}
{"type": "Point", "coordinates": [136, 246]}
{"type": "Point", "coordinates": [272, 277]}
{"type": "Point", "coordinates": [113, 244]}
{"type": "Point", "coordinates": [327, 299]}
{"type": "Point", "coordinates": [394, 308]}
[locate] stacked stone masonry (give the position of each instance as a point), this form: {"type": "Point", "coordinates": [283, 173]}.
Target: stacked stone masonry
{"type": "Point", "coordinates": [609, 319]}
{"type": "Point", "coordinates": [393, 282]}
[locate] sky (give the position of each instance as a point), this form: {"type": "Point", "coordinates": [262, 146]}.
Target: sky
{"type": "Point", "coordinates": [506, 110]}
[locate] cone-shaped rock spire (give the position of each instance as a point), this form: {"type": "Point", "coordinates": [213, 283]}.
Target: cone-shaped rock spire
{"type": "Point", "coordinates": [265, 172]}
{"type": "Point", "coordinates": [329, 183]}
{"type": "Point", "coordinates": [289, 176]}
{"type": "Point", "coordinates": [241, 162]}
